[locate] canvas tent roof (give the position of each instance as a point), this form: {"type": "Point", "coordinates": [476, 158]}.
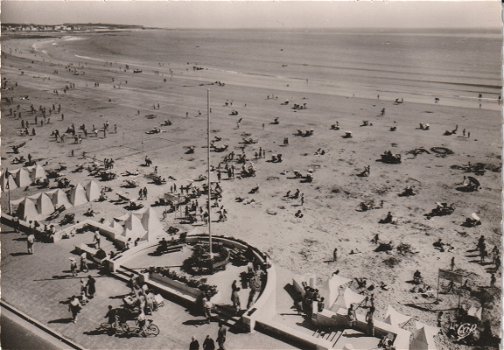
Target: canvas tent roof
{"type": "Point", "coordinates": [8, 181]}
{"type": "Point", "coordinates": [26, 210]}
{"type": "Point", "coordinates": [115, 225]}
{"type": "Point", "coordinates": [133, 227]}
{"type": "Point", "coordinates": [333, 286]}
{"type": "Point", "coordinates": [346, 297]}
{"type": "Point", "coordinates": [78, 195]}
{"type": "Point", "coordinates": [151, 223]}
{"type": "Point", "coordinates": [22, 177]}
{"type": "Point", "coordinates": [36, 172]}
{"type": "Point", "coordinates": [423, 337]}
{"type": "Point", "coordinates": [92, 191]}
{"type": "Point", "coordinates": [59, 198]}
{"type": "Point", "coordinates": [44, 204]}
{"type": "Point", "coordinates": [395, 318]}
{"type": "Point", "coordinates": [475, 312]}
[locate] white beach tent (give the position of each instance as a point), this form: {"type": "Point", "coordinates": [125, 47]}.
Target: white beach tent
{"type": "Point", "coordinates": [59, 198]}
{"type": "Point", "coordinates": [8, 181]}
{"type": "Point", "coordinates": [475, 312]}
{"type": "Point", "coordinates": [36, 172]}
{"type": "Point", "coordinates": [43, 203]}
{"type": "Point", "coordinates": [151, 223]}
{"type": "Point", "coordinates": [346, 297]}
{"type": "Point", "coordinates": [395, 318]}
{"type": "Point", "coordinates": [423, 337]}
{"type": "Point", "coordinates": [78, 195]}
{"type": "Point", "coordinates": [92, 191]}
{"type": "Point", "coordinates": [22, 177]}
{"type": "Point", "coordinates": [133, 227]}
{"type": "Point", "coordinates": [116, 226]}
{"type": "Point", "coordinates": [26, 209]}
{"type": "Point", "coordinates": [333, 286]}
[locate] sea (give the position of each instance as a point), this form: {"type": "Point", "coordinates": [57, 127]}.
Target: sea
{"type": "Point", "coordinates": [452, 65]}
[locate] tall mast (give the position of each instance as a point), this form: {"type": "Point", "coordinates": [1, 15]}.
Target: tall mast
{"type": "Point", "coordinates": [208, 175]}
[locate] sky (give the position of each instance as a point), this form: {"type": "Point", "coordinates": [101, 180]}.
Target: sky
{"type": "Point", "coordinates": [260, 14]}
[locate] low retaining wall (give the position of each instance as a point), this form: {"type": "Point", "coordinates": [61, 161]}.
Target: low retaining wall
{"type": "Point", "coordinates": [177, 285]}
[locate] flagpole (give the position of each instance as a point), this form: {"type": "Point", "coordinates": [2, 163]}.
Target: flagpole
{"type": "Point", "coordinates": [208, 175]}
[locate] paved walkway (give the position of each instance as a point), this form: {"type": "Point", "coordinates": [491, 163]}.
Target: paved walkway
{"type": "Point", "coordinates": [41, 284]}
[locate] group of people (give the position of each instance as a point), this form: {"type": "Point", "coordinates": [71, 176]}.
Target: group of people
{"type": "Point", "coordinates": [209, 343]}
{"type": "Point", "coordinates": [87, 291]}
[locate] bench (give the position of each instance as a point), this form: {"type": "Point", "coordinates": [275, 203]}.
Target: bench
{"type": "Point", "coordinates": [91, 253]}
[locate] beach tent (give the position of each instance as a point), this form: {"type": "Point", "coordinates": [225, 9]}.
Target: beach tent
{"type": "Point", "coordinates": [395, 318]}
{"type": "Point", "coordinates": [22, 177]}
{"type": "Point", "coordinates": [116, 226]}
{"type": "Point", "coordinates": [150, 223]}
{"type": "Point", "coordinates": [59, 198]}
{"type": "Point", "coordinates": [44, 204]}
{"type": "Point", "coordinates": [78, 195]}
{"type": "Point", "coordinates": [422, 340]}
{"type": "Point", "coordinates": [26, 209]}
{"type": "Point", "coordinates": [92, 191]}
{"type": "Point", "coordinates": [36, 172]}
{"type": "Point", "coordinates": [346, 297]}
{"type": "Point", "coordinates": [333, 286]}
{"type": "Point", "coordinates": [475, 312]}
{"type": "Point", "coordinates": [8, 181]}
{"type": "Point", "coordinates": [133, 227]}
{"type": "Point", "coordinates": [423, 337]}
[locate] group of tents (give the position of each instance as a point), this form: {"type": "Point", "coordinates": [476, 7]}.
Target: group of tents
{"type": "Point", "coordinates": [22, 177]}
{"type": "Point", "coordinates": [143, 224]}
{"type": "Point", "coordinates": [43, 204]}
{"type": "Point", "coordinates": [341, 297]}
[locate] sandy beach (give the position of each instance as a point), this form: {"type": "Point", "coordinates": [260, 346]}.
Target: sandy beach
{"type": "Point", "coordinates": [342, 77]}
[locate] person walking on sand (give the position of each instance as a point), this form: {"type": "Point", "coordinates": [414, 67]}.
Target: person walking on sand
{"type": "Point", "coordinates": [452, 263]}
{"type": "Point", "coordinates": [30, 241]}
{"type": "Point", "coordinates": [335, 254]}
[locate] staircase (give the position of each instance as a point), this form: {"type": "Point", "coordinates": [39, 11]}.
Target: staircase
{"type": "Point", "coordinates": [329, 335]}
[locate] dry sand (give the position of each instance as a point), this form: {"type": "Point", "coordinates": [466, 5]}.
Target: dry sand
{"type": "Point", "coordinates": [330, 219]}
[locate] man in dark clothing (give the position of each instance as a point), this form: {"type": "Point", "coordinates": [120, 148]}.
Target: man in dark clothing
{"type": "Point", "coordinates": [194, 344]}
{"type": "Point", "coordinates": [91, 286]}
{"type": "Point", "coordinates": [221, 335]}
{"type": "Point", "coordinates": [209, 343]}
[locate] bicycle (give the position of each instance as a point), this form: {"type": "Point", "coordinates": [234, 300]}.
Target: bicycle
{"type": "Point", "coordinates": [150, 329]}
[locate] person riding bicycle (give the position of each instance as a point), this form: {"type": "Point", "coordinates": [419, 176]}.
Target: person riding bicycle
{"type": "Point", "coordinates": [142, 322]}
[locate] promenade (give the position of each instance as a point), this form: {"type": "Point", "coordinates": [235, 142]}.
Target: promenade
{"type": "Point", "coordinates": [40, 285]}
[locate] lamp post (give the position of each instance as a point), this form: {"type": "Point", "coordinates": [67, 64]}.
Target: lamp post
{"type": "Point", "coordinates": [208, 176]}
